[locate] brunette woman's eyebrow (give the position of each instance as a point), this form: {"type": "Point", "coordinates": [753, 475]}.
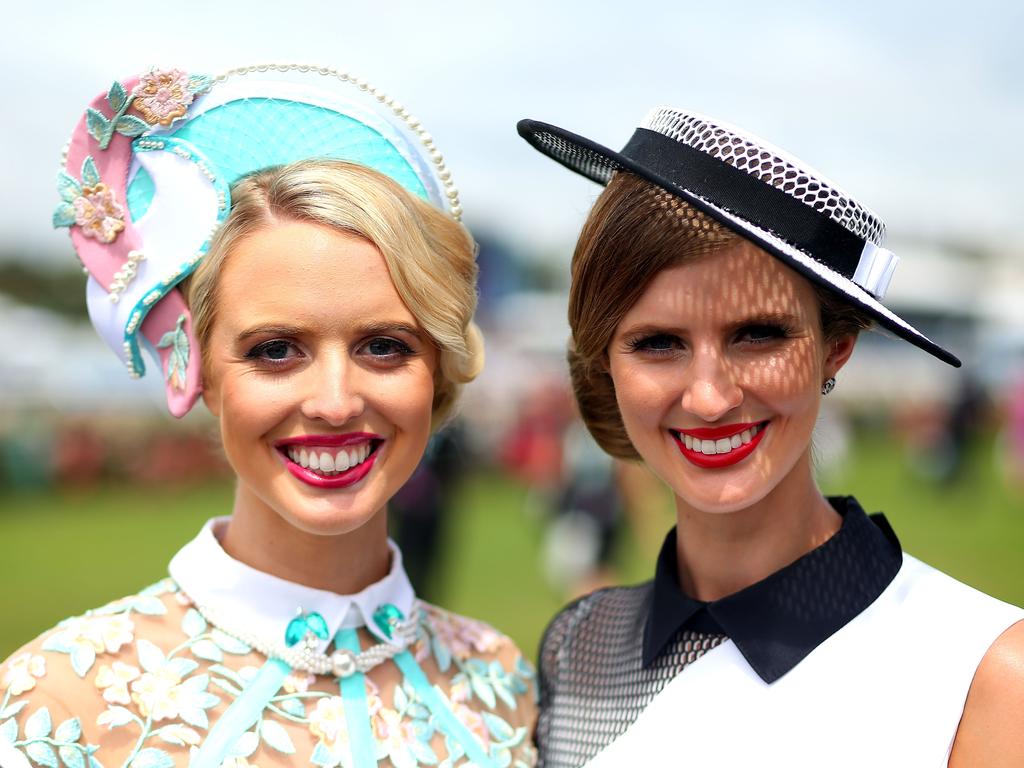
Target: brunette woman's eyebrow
{"type": "Point", "coordinates": [766, 318]}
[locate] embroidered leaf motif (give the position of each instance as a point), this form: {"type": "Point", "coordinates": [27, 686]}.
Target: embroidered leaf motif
{"type": "Point", "coordinates": [68, 187]}
{"type": "Point", "coordinates": [64, 215]}
{"type": "Point", "coordinates": [207, 649]}
{"type": "Point", "coordinates": [483, 689]}
{"type": "Point", "coordinates": [198, 83]}
{"type": "Point", "coordinates": [114, 717]}
{"type": "Point", "coordinates": [277, 737]}
{"type": "Point", "coordinates": [130, 125]}
{"type": "Point", "coordinates": [39, 725]}
{"type": "Point", "coordinates": [244, 745]}
{"type": "Point", "coordinates": [294, 707]}
{"type": "Point", "coordinates": [96, 124]}
{"type": "Point", "coordinates": [42, 754]}
{"type": "Point", "coordinates": [401, 700]}
{"type": "Point", "coordinates": [504, 693]}
{"type": "Point", "coordinates": [150, 606]}
{"type": "Point", "coordinates": [229, 644]}
{"type": "Point", "coordinates": [322, 756]}
{"type": "Point", "coordinates": [152, 758]}
{"type": "Point", "coordinates": [151, 658]}
{"type": "Point", "coordinates": [9, 730]}
{"type": "Point", "coordinates": [182, 667]}
{"type": "Point", "coordinates": [422, 752]}
{"type": "Point", "coordinates": [117, 96]}
{"type": "Point", "coordinates": [83, 656]}
{"type": "Point", "coordinates": [193, 623]}
{"type": "Point", "coordinates": [71, 757]}
{"type": "Point", "coordinates": [69, 730]}
{"type": "Point", "coordinates": [13, 709]}
{"type": "Point", "coordinates": [90, 176]}
{"type": "Point", "coordinates": [498, 728]}
{"type": "Point", "coordinates": [177, 363]}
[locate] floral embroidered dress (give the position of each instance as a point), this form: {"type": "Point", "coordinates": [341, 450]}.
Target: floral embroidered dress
{"type": "Point", "coordinates": [172, 677]}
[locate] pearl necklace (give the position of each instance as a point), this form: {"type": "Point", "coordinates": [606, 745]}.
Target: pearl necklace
{"type": "Point", "coordinates": [305, 657]}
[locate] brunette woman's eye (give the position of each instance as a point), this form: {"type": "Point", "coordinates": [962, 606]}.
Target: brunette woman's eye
{"type": "Point", "coordinates": [658, 343]}
{"type": "Point", "coordinates": [761, 333]}
{"type": "Point", "coordinates": [275, 351]}
{"type": "Point", "coordinates": [384, 348]}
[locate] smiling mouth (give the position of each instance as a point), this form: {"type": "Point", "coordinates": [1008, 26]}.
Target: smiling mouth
{"type": "Point", "coordinates": [331, 461]}
{"type": "Point", "coordinates": [713, 448]}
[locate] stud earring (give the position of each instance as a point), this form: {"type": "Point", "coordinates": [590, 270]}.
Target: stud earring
{"type": "Point", "coordinates": [829, 385]}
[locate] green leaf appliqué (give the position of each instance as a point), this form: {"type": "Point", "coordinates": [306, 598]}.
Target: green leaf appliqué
{"type": "Point", "coordinates": [117, 96]}
{"type": "Point", "coordinates": [177, 363]}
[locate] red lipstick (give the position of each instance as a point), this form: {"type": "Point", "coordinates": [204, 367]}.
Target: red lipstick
{"type": "Point", "coordinates": [343, 479]}
{"type": "Point", "coordinates": [729, 456]}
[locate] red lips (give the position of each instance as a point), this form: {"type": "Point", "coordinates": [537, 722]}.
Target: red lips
{"type": "Point", "coordinates": [719, 460]}
{"type": "Point", "coordinates": [342, 479]}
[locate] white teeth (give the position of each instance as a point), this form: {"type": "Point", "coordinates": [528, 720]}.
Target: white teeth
{"type": "Point", "coordinates": [723, 445]}
{"type": "Point", "coordinates": [330, 462]}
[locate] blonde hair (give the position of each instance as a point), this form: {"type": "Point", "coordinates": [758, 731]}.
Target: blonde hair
{"type": "Point", "coordinates": [430, 256]}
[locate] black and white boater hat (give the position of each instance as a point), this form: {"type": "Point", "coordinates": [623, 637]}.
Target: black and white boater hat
{"type": "Point", "coordinates": [759, 192]}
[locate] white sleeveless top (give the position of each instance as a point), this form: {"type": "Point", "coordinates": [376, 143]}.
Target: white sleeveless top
{"type": "Point", "coordinates": [888, 689]}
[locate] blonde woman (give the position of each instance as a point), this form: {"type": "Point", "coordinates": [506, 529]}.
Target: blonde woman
{"type": "Point", "coordinates": [327, 326]}
{"type": "Point", "coordinates": [718, 289]}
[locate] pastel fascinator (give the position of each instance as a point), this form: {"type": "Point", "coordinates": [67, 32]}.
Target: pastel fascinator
{"type": "Point", "coordinates": [146, 177]}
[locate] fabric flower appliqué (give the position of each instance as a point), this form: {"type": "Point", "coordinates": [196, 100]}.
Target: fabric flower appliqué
{"type": "Point", "coordinates": [327, 723]}
{"type": "Point", "coordinates": [98, 213]}
{"type": "Point", "coordinates": [163, 95]}
{"type": "Point", "coordinates": [22, 672]}
{"type": "Point", "coordinates": [90, 204]}
{"type": "Point", "coordinates": [113, 680]}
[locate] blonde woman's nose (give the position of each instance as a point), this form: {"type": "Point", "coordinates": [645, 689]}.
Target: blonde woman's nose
{"type": "Point", "coordinates": [333, 393]}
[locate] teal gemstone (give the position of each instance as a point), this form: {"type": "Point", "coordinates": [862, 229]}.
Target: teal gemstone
{"type": "Point", "coordinates": [387, 617]}
{"type": "Point", "coordinates": [295, 631]}
{"type": "Point", "coordinates": [318, 625]}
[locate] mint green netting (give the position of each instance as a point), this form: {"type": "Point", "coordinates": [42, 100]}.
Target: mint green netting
{"type": "Point", "coordinates": [249, 134]}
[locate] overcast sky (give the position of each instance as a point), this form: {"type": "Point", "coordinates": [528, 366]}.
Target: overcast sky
{"type": "Point", "coordinates": [916, 107]}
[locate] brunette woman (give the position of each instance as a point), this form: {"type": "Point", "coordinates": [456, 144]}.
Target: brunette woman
{"type": "Point", "coordinates": [718, 289]}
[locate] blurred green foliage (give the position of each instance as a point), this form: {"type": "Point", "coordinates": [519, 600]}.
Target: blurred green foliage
{"type": "Point", "coordinates": [66, 551]}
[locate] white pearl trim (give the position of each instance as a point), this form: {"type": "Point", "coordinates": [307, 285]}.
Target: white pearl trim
{"type": "Point", "coordinates": [304, 657]}
{"type": "Point", "coordinates": [414, 125]}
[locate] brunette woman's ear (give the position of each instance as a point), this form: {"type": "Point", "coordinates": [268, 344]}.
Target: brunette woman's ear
{"type": "Point", "coordinates": [839, 352]}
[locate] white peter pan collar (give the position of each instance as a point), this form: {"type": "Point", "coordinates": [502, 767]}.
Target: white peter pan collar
{"type": "Point", "coordinates": [265, 604]}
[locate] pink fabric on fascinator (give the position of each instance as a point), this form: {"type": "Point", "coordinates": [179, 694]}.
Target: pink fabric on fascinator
{"type": "Point", "coordinates": [131, 276]}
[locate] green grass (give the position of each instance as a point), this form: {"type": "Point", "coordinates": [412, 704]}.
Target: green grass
{"type": "Point", "coordinates": [66, 551]}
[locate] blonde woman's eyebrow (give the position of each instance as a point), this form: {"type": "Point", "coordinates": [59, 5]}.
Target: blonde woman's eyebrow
{"type": "Point", "coordinates": [384, 327]}
{"type": "Point", "coordinates": [269, 330]}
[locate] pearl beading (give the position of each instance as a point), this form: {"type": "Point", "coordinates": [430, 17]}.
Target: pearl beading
{"type": "Point", "coordinates": [304, 656]}
{"type": "Point", "coordinates": [414, 125]}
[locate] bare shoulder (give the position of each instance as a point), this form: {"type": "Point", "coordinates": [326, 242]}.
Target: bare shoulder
{"type": "Point", "coordinates": [991, 731]}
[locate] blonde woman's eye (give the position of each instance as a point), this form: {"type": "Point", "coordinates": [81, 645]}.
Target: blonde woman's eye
{"type": "Point", "coordinates": [275, 351]}
{"type": "Point", "coordinates": [386, 348]}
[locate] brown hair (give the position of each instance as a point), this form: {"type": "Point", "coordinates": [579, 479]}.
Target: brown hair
{"type": "Point", "coordinates": [634, 231]}
{"type": "Point", "coordinates": [430, 256]}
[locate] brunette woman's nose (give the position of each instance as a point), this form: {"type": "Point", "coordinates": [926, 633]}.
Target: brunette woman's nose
{"type": "Point", "coordinates": [711, 389]}
{"type": "Point", "coordinates": [332, 391]}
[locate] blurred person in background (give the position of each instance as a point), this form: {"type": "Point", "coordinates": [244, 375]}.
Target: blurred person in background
{"type": "Point", "coordinates": [328, 328]}
{"type": "Point", "coordinates": [718, 288]}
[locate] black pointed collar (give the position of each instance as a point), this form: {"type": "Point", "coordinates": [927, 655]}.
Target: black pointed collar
{"type": "Point", "coordinates": [778, 621]}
